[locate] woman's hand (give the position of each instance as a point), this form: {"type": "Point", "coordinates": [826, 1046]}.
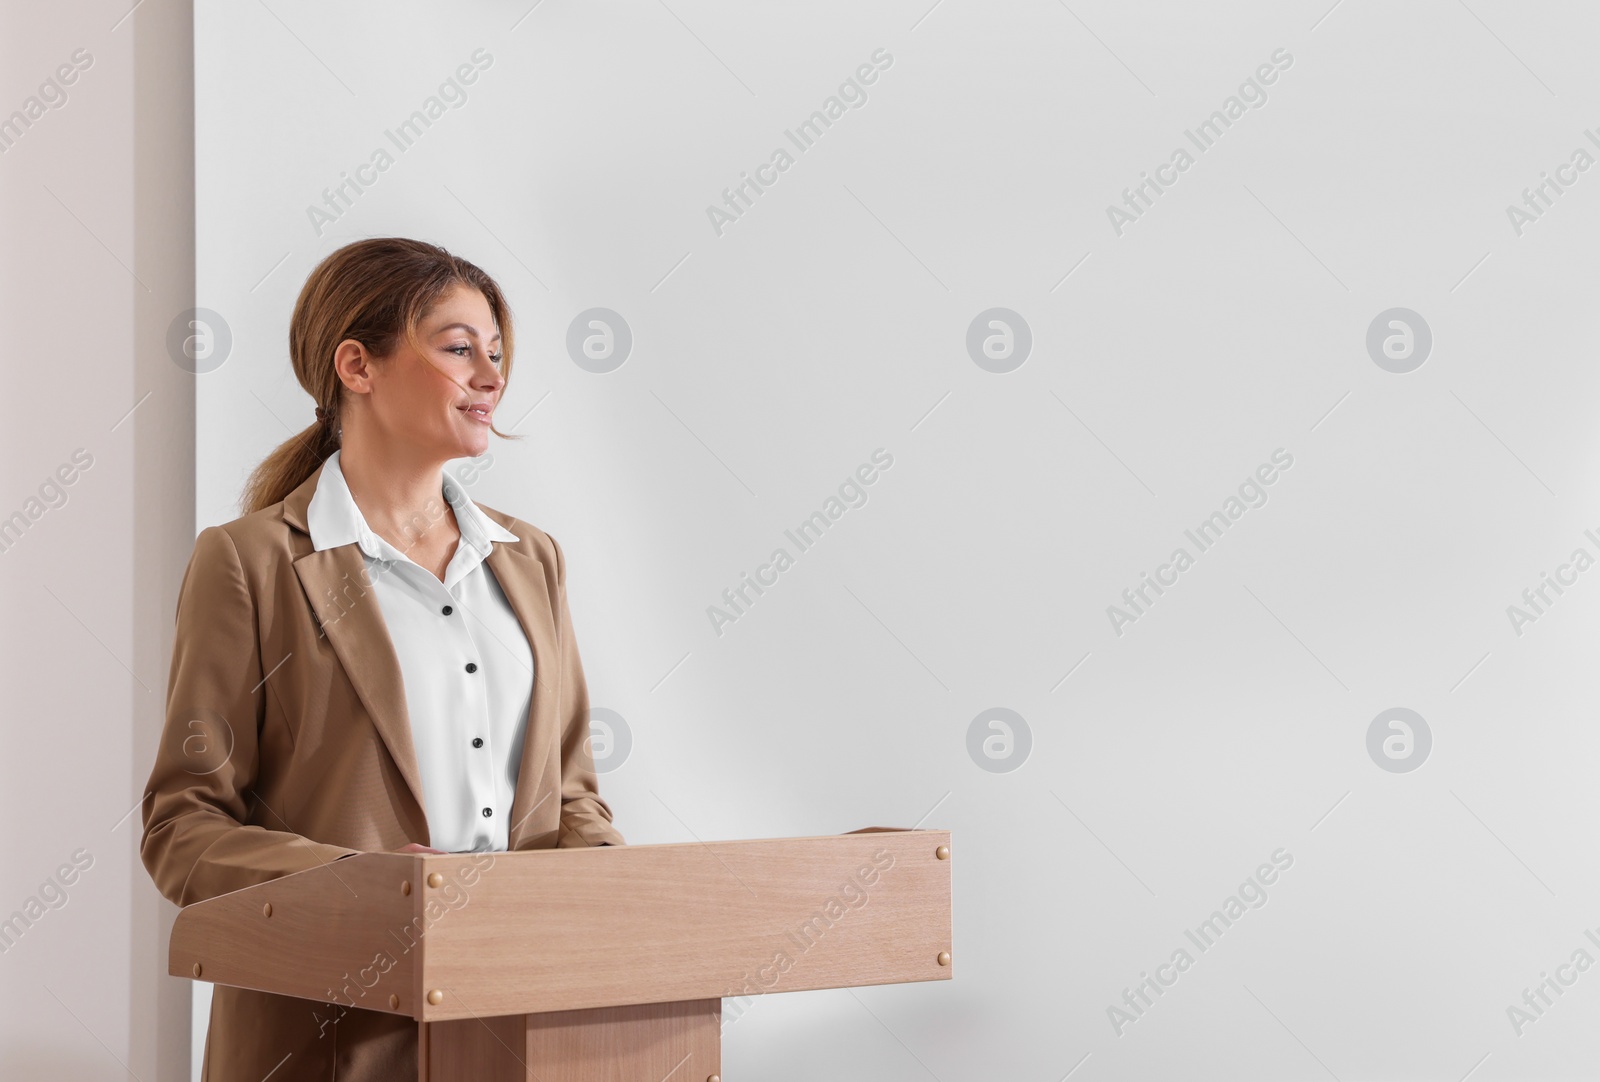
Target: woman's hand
{"type": "Point", "coordinates": [413, 847]}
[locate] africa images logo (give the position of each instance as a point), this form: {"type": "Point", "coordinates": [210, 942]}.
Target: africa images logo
{"type": "Point", "coordinates": [1251, 493]}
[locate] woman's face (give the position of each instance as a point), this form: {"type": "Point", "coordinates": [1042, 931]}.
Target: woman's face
{"type": "Point", "coordinates": [439, 403]}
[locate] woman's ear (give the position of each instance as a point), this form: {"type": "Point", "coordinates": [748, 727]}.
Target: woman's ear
{"type": "Point", "coordinates": [353, 364]}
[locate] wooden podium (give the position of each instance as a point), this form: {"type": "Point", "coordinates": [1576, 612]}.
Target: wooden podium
{"type": "Point", "coordinates": [606, 964]}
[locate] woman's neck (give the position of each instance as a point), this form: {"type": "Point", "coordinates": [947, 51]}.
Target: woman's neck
{"type": "Point", "coordinates": [402, 500]}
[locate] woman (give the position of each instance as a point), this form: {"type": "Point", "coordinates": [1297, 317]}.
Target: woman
{"type": "Point", "coordinates": [367, 660]}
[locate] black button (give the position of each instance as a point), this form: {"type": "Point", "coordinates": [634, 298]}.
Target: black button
{"type": "Point", "coordinates": [448, 610]}
{"type": "Point", "coordinates": [472, 666]}
{"type": "Point", "coordinates": [487, 812]}
{"type": "Point", "coordinates": [477, 741]}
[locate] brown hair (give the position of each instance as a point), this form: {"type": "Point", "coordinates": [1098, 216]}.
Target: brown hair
{"type": "Point", "coordinates": [375, 291]}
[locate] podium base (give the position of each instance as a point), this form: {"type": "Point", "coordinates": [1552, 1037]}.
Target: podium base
{"type": "Point", "coordinates": [650, 1042]}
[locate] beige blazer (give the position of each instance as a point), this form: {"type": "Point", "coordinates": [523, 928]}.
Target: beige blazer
{"type": "Point", "coordinates": [287, 745]}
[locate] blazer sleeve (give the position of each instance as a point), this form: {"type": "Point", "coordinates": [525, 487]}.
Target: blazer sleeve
{"type": "Point", "coordinates": [585, 817]}
{"type": "Point", "coordinates": [196, 843]}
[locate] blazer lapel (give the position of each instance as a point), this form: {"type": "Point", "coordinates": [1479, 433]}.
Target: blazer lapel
{"type": "Point", "coordinates": [336, 584]}
{"type": "Point", "coordinates": [521, 577]}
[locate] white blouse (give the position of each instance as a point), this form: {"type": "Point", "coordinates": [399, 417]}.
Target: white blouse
{"type": "Point", "coordinates": [464, 659]}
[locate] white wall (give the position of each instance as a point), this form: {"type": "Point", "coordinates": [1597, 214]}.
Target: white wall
{"type": "Point", "coordinates": [1169, 361]}
{"type": "Point", "coordinates": [1165, 764]}
{"type": "Point", "coordinates": [96, 216]}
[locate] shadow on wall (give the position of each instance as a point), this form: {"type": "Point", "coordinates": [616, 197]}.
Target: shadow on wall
{"type": "Point", "coordinates": [39, 1060]}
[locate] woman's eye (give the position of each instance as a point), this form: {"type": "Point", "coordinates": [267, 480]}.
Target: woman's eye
{"type": "Point", "coordinates": [464, 351]}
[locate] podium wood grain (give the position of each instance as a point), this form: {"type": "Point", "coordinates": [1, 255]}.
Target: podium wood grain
{"type": "Point", "coordinates": [588, 965]}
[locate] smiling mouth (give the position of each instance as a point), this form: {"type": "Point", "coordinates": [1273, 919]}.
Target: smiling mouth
{"type": "Point", "coordinates": [481, 413]}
